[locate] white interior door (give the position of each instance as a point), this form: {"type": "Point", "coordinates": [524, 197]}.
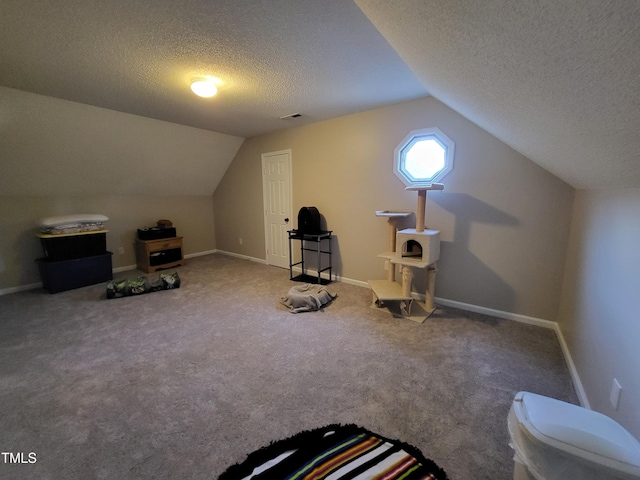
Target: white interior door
{"type": "Point", "coordinates": [276, 187]}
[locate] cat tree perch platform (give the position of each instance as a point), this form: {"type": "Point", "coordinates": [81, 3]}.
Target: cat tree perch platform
{"type": "Point", "coordinates": [408, 248]}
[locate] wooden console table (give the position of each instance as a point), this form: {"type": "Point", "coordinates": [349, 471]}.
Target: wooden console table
{"type": "Point", "coordinates": [152, 255]}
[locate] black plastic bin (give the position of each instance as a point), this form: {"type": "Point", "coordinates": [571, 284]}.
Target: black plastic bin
{"type": "Point", "coordinates": [68, 247]}
{"type": "Point", "coordinates": [58, 276]}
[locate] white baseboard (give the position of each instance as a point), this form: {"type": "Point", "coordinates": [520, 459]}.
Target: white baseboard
{"type": "Point", "coordinates": [21, 288]}
{"type": "Point", "coordinates": [351, 281]}
{"type": "Point", "coordinates": [243, 257]}
{"type": "Point", "coordinates": [125, 268]}
{"type": "Point", "coordinates": [496, 313]}
{"type": "Point", "coordinates": [334, 277]}
{"type": "Point", "coordinates": [200, 254]}
{"type": "Point", "coordinates": [575, 378]}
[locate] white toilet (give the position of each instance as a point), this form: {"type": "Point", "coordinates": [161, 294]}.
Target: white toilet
{"type": "Point", "coordinates": [556, 440]}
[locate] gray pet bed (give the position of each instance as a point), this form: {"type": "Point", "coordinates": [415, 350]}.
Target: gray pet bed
{"type": "Point", "coordinates": [307, 298]}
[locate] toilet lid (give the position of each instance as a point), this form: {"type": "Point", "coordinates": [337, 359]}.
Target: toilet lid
{"type": "Point", "coordinates": [579, 431]}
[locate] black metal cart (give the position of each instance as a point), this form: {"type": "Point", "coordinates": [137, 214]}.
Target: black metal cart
{"type": "Point", "coordinates": [316, 238]}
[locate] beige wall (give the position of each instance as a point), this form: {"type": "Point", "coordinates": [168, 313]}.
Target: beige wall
{"type": "Point", "coordinates": [601, 300]}
{"type": "Point", "coordinates": [61, 158]}
{"type": "Point", "coordinates": [504, 220]}
{"type": "Point", "coordinates": [56, 147]}
{"type": "Point", "coordinates": [19, 247]}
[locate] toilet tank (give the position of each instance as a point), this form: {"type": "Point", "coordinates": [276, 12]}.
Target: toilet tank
{"type": "Point", "coordinates": [558, 440]}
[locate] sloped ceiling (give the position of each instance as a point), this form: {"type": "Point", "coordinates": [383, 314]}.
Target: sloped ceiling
{"type": "Point", "coordinates": [54, 147]}
{"type": "Point", "coordinates": [323, 59]}
{"type": "Point", "coordinates": [558, 80]}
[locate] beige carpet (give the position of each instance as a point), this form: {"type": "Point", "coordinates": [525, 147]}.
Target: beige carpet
{"type": "Point", "coordinates": [180, 384]}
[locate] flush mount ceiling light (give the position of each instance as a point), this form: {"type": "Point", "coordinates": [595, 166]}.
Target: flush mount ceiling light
{"type": "Point", "coordinates": [204, 87]}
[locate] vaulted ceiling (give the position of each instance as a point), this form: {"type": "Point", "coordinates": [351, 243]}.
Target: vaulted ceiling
{"type": "Point", "coordinates": [322, 59]}
{"type": "Point", "coordinates": [556, 80]}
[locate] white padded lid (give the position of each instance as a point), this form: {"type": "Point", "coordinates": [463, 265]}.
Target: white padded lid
{"type": "Point", "coordinates": [72, 220]}
{"type": "Point", "coordinates": [578, 431]}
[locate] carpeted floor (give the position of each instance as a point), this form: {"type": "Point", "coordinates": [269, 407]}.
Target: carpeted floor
{"type": "Point", "coordinates": [181, 384]}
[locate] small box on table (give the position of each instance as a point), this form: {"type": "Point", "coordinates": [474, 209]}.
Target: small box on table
{"type": "Point", "coordinates": [156, 233]}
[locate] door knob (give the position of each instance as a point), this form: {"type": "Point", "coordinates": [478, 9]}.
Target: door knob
{"type": "Point", "coordinates": [286, 220]}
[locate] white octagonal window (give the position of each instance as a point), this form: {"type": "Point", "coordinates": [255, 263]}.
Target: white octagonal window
{"type": "Point", "coordinates": [424, 157]}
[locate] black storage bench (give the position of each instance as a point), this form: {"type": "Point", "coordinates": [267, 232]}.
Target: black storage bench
{"type": "Point", "coordinates": [74, 260]}
{"type": "Point", "coordinates": [75, 273]}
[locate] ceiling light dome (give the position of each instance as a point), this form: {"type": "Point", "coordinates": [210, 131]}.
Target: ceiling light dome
{"type": "Point", "coordinates": [204, 87]}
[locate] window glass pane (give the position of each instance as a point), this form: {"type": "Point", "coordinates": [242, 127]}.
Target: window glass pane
{"type": "Point", "coordinates": [424, 159]}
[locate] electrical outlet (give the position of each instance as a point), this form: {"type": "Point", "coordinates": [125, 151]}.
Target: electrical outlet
{"type": "Point", "coordinates": [386, 264]}
{"type": "Point", "coordinates": [614, 397]}
{"type": "Point", "coordinates": [121, 250]}
{"type": "Point", "coordinates": [240, 240]}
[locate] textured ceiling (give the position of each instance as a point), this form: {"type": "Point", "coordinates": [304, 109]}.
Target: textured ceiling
{"type": "Point", "coordinates": [323, 59]}
{"type": "Point", "coordinates": [558, 80]}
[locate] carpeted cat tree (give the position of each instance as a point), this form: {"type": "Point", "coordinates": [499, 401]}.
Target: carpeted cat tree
{"type": "Point", "coordinates": [409, 248]}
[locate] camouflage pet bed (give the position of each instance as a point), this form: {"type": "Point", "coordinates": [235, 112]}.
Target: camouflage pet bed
{"type": "Point", "coordinates": [139, 285]}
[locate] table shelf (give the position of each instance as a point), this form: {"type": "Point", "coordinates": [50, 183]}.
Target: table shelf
{"type": "Point", "coordinates": [153, 255]}
{"type": "Point", "coordinates": [318, 250]}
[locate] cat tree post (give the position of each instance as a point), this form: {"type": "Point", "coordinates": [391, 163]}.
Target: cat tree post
{"type": "Point", "coordinates": [431, 287]}
{"type": "Point", "coordinates": [407, 278]}
{"type": "Point", "coordinates": [420, 227]}
{"type": "Point", "coordinates": [422, 202]}
{"type": "Point", "coordinates": [391, 274]}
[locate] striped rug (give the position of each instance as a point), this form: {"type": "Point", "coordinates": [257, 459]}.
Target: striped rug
{"type": "Point", "coordinates": [336, 452]}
